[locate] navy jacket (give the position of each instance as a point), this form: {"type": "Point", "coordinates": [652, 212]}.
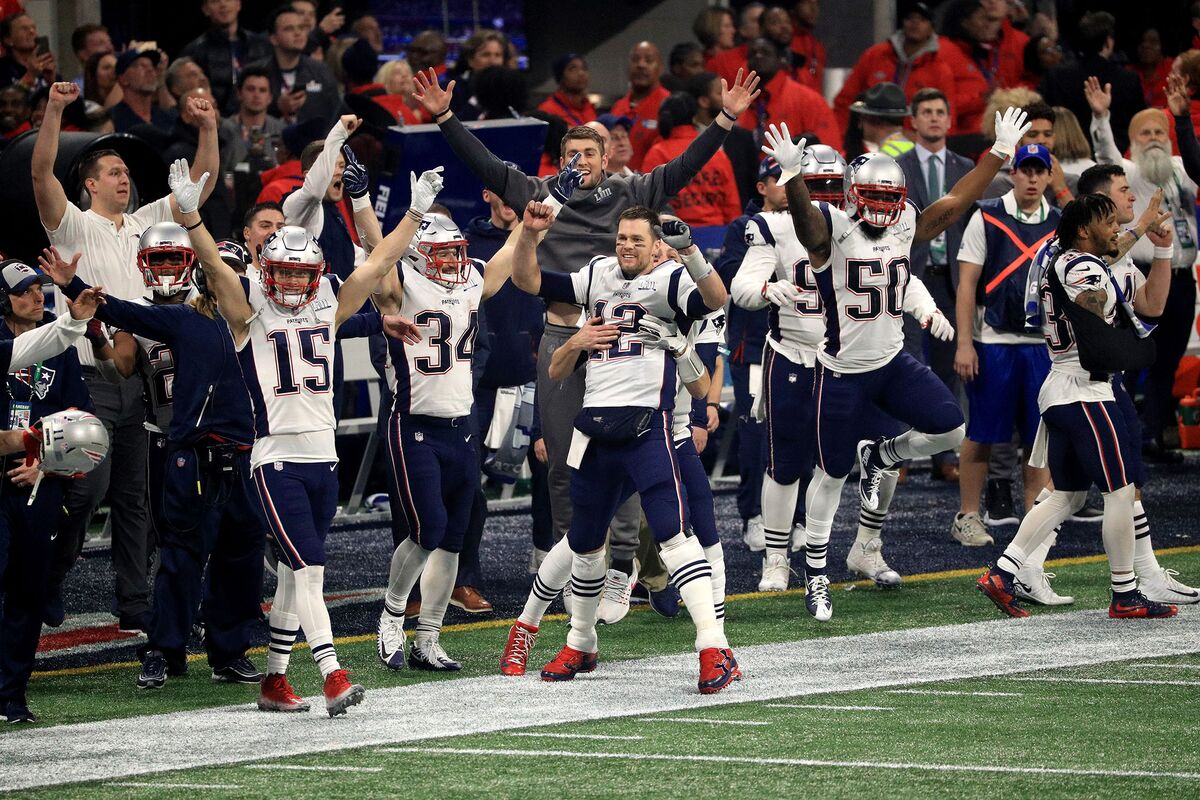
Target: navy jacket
{"type": "Point", "coordinates": [745, 331]}
{"type": "Point", "coordinates": [52, 385]}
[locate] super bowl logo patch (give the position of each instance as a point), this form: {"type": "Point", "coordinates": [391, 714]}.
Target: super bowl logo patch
{"type": "Point", "coordinates": [39, 379]}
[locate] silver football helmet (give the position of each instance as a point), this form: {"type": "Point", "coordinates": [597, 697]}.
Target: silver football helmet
{"type": "Point", "coordinates": [165, 257]}
{"type": "Point", "coordinates": [73, 442]}
{"type": "Point", "coordinates": [875, 189]}
{"type": "Point", "coordinates": [291, 248]}
{"type": "Point", "coordinates": [823, 170]}
{"type": "Point", "coordinates": [439, 251]}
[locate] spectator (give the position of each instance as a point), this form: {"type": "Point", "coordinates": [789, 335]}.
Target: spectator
{"type": "Point", "coordinates": [500, 93]}
{"type": "Point", "coordinates": [185, 142]}
{"type": "Point", "coordinates": [645, 95]}
{"type": "Point", "coordinates": [1006, 46]}
{"type": "Point", "coordinates": [88, 40]}
{"type": "Point", "coordinates": [910, 58]}
{"type": "Point", "coordinates": [1072, 150]}
{"type": "Point", "coordinates": [808, 54]}
{"type": "Point", "coordinates": [22, 63]}
{"type": "Point", "coordinates": [14, 112]}
{"type": "Point", "coordinates": [1063, 86]}
{"type": "Point", "coordinates": [714, 28]}
{"type": "Point", "coordinates": [711, 197]}
{"type": "Point", "coordinates": [139, 83]}
{"type": "Point", "coordinates": [360, 62]}
{"type": "Point", "coordinates": [427, 50]}
{"type": "Point", "coordinates": [570, 101]}
{"type": "Point", "coordinates": [485, 48]}
{"type": "Point", "coordinates": [748, 22]}
{"type": "Point", "coordinates": [183, 75]}
{"type": "Point", "coordinates": [367, 27]}
{"type": "Point", "coordinates": [1187, 66]}
{"type": "Point", "coordinates": [251, 131]}
{"type": "Point", "coordinates": [261, 220]}
{"type": "Point", "coordinates": [100, 80]}
{"type": "Point", "coordinates": [1042, 54]}
{"type": "Point", "coordinates": [303, 87]}
{"type": "Point", "coordinates": [880, 114]}
{"type": "Point", "coordinates": [964, 30]}
{"type": "Point", "coordinates": [320, 34]}
{"type": "Point", "coordinates": [397, 78]}
{"type": "Point", "coordinates": [288, 176]}
{"type": "Point", "coordinates": [784, 100]}
{"type": "Point", "coordinates": [224, 49]}
{"type": "Point", "coordinates": [618, 146]}
{"type": "Point", "coordinates": [1042, 120]}
{"type": "Point", "coordinates": [1149, 168]}
{"type": "Point", "coordinates": [1151, 67]}
{"type": "Point", "coordinates": [739, 145]}
{"type": "Point", "coordinates": [685, 61]}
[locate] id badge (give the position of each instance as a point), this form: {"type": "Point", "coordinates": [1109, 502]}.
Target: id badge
{"type": "Point", "coordinates": [18, 414]}
{"type": "Point", "coordinates": [1183, 233]}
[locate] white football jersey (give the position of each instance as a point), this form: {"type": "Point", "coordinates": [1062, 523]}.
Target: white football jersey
{"type": "Point", "coordinates": [1068, 381]}
{"type": "Point", "coordinates": [774, 250]}
{"type": "Point", "coordinates": [710, 330]}
{"type": "Point", "coordinates": [287, 363]}
{"type": "Point", "coordinates": [629, 373]}
{"type": "Point", "coordinates": [862, 290]}
{"type": "Point", "coordinates": [1128, 277]}
{"type": "Point", "coordinates": [434, 376]}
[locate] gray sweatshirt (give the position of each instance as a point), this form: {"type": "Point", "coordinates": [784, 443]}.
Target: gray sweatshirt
{"type": "Point", "coordinates": [587, 225]}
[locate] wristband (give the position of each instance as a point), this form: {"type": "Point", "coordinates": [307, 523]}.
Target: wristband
{"type": "Point", "coordinates": [697, 266]}
{"type": "Point", "coordinates": [728, 116]}
{"type": "Point", "coordinates": [713, 405]}
{"type": "Point", "coordinates": [193, 227]}
{"type": "Point", "coordinates": [1167, 252]}
{"type": "Point", "coordinates": [361, 203]}
{"type": "Point", "coordinates": [414, 215]}
{"type": "Point", "coordinates": [689, 366]}
{"type": "Point", "coordinates": [439, 115]}
{"type": "Point", "coordinates": [554, 203]}
{"type": "Point", "coordinates": [1065, 190]}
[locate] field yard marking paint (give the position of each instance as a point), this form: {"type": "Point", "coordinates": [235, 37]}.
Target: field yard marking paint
{"type": "Point", "coordinates": [1164, 666]}
{"type": "Point", "coordinates": [119, 748]}
{"type": "Point", "coordinates": [149, 785]}
{"type": "Point", "coordinates": [314, 768]}
{"type": "Point", "coordinates": [951, 691]}
{"type": "Point", "coordinates": [797, 762]}
{"type": "Point", "coordinates": [702, 719]}
{"type": "Point", "coordinates": [548, 735]}
{"type": "Point", "coordinates": [507, 623]}
{"type": "Point", "coordinates": [830, 708]}
{"type": "Point", "coordinates": [1108, 680]}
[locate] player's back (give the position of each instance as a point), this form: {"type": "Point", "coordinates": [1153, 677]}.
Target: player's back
{"type": "Point", "coordinates": [433, 377]}
{"type": "Point", "coordinates": [862, 290]}
{"type": "Point", "coordinates": [800, 326]}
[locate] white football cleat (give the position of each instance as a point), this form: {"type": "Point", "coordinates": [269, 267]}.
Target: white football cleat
{"type": "Point", "coordinates": [774, 573]}
{"type": "Point", "coordinates": [389, 643]}
{"type": "Point", "coordinates": [614, 597]}
{"type": "Point", "coordinates": [1160, 586]}
{"type": "Point", "coordinates": [1033, 584]}
{"type": "Point", "coordinates": [427, 654]}
{"type": "Point", "coordinates": [867, 560]}
{"type": "Point", "coordinates": [817, 599]}
{"type": "Point", "coordinates": [754, 534]}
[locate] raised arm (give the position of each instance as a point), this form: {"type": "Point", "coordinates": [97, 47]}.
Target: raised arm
{"type": "Point", "coordinates": [47, 191]}
{"type": "Point", "coordinates": [1151, 298]}
{"type": "Point", "coordinates": [500, 266]}
{"type": "Point", "coordinates": [46, 341]}
{"type": "Point", "coordinates": [678, 236]}
{"type": "Point", "coordinates": [357, 183]}
{"type": "Point", "coordinates": [208, 158]}
{"type": "Point", "coordinates": [303, 206]}
{"type": "Point", "coordinates": [1099, 99]}
{"type": "Point", "coordinates": [812, 229]}
{"type": "Point", "coordinates": [1185, 134]}
{"type": "Point", "coordinates": [941, 214]}
{"type": "Point", "coordinates": [526, 274]}
{"type": "Point", "coordinates": [358, 286]}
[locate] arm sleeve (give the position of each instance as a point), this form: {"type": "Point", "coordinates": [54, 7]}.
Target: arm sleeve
{"type": "Point", "coordinates": [45, 341]}
{"type": "Point", "coordinates": [1106, 148]}
{"type": "Point", "coordinates": [669, 179]}
{"type": "Point", "coordinates": [733, 249]}
{"type": "Point", "coordinates": [303, 206]}
{"type": "Point", "coordinates": [918, 302]}
{"type": "Point", "coordinates": [514, 186]}
{"type": "Point", "coordinates": [559, 287]}
{"type": "Point", "coordinates": [361, 325]}
{"type": "Point", "coordinates": [974, 241]}
{"type": "Point", "coordinates": [1189, 148]}
{"type": "Point", "coordinates": [153, 322]}
{"type": "Point", "coordinates": [707, 351]}
{"type": "Point", "coordinates": [757, 267]}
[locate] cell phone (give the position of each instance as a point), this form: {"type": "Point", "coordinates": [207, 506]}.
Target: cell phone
{"type": "Point", "coordinates": [41, 45]}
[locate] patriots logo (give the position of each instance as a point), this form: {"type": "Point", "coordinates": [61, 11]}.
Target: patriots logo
{"type": "Point", "coordinates": [41, 387]}
{"type": "Point", "coordinates": [749, 238]}
{"type": "Point", "coordinates": [1089, 279]}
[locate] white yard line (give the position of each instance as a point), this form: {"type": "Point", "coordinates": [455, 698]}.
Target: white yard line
{"type": "Point", "coordinates": [150, 785]}
{"type": "Point", "coordinates": [830, 708]}
{"type": "Point", "coordinates": [1107, 680]}
{"type": "Point", "coordinates": [548, 735]}
{"type": "Point", "coordinates": [47, 755]}
{"type": "Point", "coordinates": [952, 692]}
{"type": "Point", "coordinates": [796, 762]}
{"type": "Point", "coordinates": [1162, 665]}
{"type": "Point", "coordinates": [757, 723]}
{"type": "Point", "coordinates": [314, 768]}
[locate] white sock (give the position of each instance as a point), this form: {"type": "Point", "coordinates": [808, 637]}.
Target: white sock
{"type": "Point", "coordinates": [551, 577]}
{"type": "Point", "coordinates": [1144, 562]}
{"type": "Point", "coordinates": [821, 504]}
{"type": "Point", "coordinates": [437, 584]}
{"type": "Point", "coordinates": [914, 444]}
{"type": "Point", "coordinates": [1039, 523]}
{"type": "Point", "coordinates": [285, 625]}
{"type": "Point", "coordinates": [314, 617]}
{"type": "Point", "coordinates": [716, 560]}
{"type": "Point", "coordinates": [587, 579]}
{"type": "Point", "coordinates": [1037, 556]}
{"type": "Point", "coordinates": [691, 573]}
{"type": "Point", "coordinates": [407, 562]}
{"type": "Point", "coordinates": [870, 523]}
{"type": "Point", "coordinates": [778, 509]}
{"type": "Point", "coordinates": [1117, 531]}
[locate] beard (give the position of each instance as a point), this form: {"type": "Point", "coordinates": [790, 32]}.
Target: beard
{"type": "Point", "coordinates": [1153, 162]}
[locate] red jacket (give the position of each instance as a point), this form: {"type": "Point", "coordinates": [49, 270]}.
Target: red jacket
{"type": "Point", "coordinates": [811, 58]}
{"type": "Point", "coordinates": [560, 106]}
{"type": "Point", "coordinates": [971, 89]}
{"type": "Point", "coordinates": [803, 109]}
{"type": "Point", "coordinates": [645, 122]}
{"type": "Point", "coordinates": [712, 196]}
{"type": "Point", "coordinates": [728, 62]}
{"type": "Point", "coordinates": [1154, 87]}
{"type": "Point", "coordinates": [881, 62]}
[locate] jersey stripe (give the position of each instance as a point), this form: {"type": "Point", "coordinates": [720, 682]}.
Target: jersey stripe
{"type": "Point", "coordinates": [764, 229]}
{"type": "Point", "coordinates": [833, 331]}
{"type": "Point", "coordinates": [259, 403]}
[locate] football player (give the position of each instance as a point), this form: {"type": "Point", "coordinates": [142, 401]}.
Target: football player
{"type": "Point", "coordinates": [859, 259]}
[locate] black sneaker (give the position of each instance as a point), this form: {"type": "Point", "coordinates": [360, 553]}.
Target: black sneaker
{"type": "Point", "coordinates": [54, 613]}
{"type": "Point", "coordinates": [240, 671]}
{"type": "Point", "coordinates": [154, 671]}
{"type": "Point", "coordinates": [998, 503]}
{"type": "Point", "coordinates": [18, 713]}
{"type": "Point", "coordinates": [666, 602]}
{"type": "Point", "coordinates": [1155, 453]}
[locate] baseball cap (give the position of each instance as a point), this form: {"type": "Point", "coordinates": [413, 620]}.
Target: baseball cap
{"type": "Point", "coordinates": [609, 120]}
{"type": "Point", "coordinates": [17, 276]}
{"type": "Point", "coordinates": [1037, 152]}
{"type": "Point", "coordinates": [768, 167]}
{"type": "Point", "coordinates": [559, 67]}
{"type": "Point", "coordinates": [126, 59]}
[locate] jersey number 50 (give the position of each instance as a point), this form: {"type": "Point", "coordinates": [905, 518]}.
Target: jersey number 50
{"type": "Point", "coordinates": [862, 276]}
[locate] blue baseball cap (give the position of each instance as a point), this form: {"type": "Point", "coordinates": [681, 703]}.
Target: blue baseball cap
{"type": "Point", "coordinates": [16, 276]}
{"type": "Point", "coordinates": [611, 120]}
{"type": "Point", "coordinates": [1037, 152]}
{"type": "Point", "coordinates": [769, 167]}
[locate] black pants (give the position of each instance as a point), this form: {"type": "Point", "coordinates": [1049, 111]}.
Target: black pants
{"type": "Point", "coordinates": [1171, 338]}
{"type": "Point", "coordinates": [928, 349]}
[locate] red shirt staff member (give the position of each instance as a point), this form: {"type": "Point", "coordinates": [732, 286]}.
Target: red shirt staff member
{"type": "Point", "coordinates": [570, 103]}
{"type": "Point", "coordinates": [646, 94]}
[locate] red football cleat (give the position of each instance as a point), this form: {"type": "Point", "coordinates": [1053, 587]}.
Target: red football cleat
{"type": "Point", "coordinates": [276, 694]}
{"type": "Point", "coordinates": [515, 657]}
{"type": "Point", "coordinates": [340, 693]}
{"type": "Point", "coordinates": [1134, 605]}
{"type": "Point", "coordinates": [568, 663]}
{"type": "Point", "coordinates": [718, 669]}
{"type": "Point", "coordinates": [999, 589]}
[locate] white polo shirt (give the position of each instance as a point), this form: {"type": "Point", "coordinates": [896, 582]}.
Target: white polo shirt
{"type": "Point", "coordinates": [109, 255]}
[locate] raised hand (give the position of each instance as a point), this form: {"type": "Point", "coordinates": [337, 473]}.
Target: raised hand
{"type": "Point", "coordinates": [350, 122]}
{"type": "Point", "coordinates": [354, 176]}
{"type": "Point", "coordinates": [187, 192]}
{"type": "Point", "coordinates": [429, 93]}
{"type": "Point", "coordinates": [1161, 235]}
{"type": "Point", "coordinates": [676, 234]}
{"type": "Point", "coordinates": [84, 306]}
{"type": "Point", "coordinates": [1098, 99]}
{"type": "Point", "coordinates": [788, 154]}
{"type": "Point", "coordinates": [61, 272]}
{"type": "Point", "coordinates": [737, 98]}
{"type": "Point", "coordinates": [1177, 94]}
{"type": "Point", "coordinates": [425, 189]}
{"type": "Point", "coordinates": [538, 217]}
{"type": "Point", "coordinates": [781, 293]}
{"type": "Point", "coordinates": [332, 22]}
{"type": "Point", "coordinates": [399, 327]}
{"type": "Point", "coordinates": [203, 111]}
{"type": "Point", "coordinates": [1010, 127]}
{"type": "Point", "coordinates": [568, 181]}
{"type": "Point", "coordinates": [62, 94]}
{"type": "Point", "coordinates": [1153, 217]}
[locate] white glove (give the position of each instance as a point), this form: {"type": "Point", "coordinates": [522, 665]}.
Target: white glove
{"type": "Point", "coordinates": [938, 326]}
{"type": "Point", "coordinates": [1010, 127]}
{"type": "Point", "coordinates": [424, 189]}
{"type": "Point", "coordinates": [787, 153]}
{"type": "Point", "coordinates": [662, 335]}
{"type": "Point", "coordinates": [187, 192]}
{"type": "Point", "coordinates": [781, 293]}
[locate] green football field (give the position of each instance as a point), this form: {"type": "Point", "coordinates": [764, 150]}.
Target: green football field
{"type": "Point", "coordinates": [920, 692]}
